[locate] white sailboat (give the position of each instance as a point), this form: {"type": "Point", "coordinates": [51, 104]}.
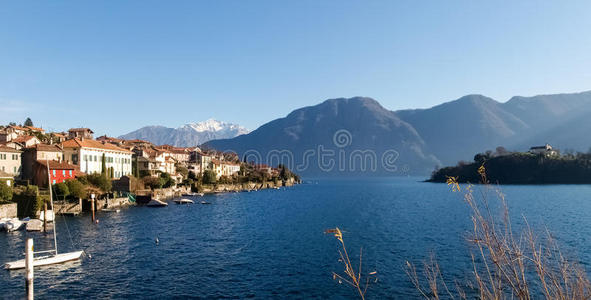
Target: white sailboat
{"type": "Point", "coordinates": [54, 257]}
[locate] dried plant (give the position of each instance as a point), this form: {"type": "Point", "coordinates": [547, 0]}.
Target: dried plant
{"type": "Point", "coordinates": [350, 275]}
{"type": "Point", "coordinates": [507, 264]}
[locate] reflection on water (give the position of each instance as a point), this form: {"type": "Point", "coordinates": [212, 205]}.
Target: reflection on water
{"type": "Point", "coordinates": [270, 244]}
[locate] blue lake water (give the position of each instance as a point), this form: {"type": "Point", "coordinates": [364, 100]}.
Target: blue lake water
{"type": "Point", "coordinates": [271, 243]}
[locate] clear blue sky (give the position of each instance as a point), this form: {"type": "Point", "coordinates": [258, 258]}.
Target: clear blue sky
{"type": "Point", "coordinates": [115, 66]}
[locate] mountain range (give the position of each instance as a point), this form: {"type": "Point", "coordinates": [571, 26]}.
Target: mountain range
{"type": "Point", "coordinates": [416, 140]}
{"type": "Point", "coordinates": [191, 134]}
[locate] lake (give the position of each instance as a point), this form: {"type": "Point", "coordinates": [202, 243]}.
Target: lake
{"type": "Point", "coordinates": [271, 243]}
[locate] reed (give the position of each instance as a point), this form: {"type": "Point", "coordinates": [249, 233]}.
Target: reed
{"type": "Point", "coordinates": [350, 276]}
{"type": "Point", "coordinates": [507, 263]}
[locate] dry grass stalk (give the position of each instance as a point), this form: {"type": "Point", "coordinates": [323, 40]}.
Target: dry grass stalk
{"type": "Point", "coordinates": [350, 275]}
{"type": "Point", "coordinates": [506, 264]}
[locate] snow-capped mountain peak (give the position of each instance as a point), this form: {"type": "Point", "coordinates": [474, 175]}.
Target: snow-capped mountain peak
{"type": "Point", "coordinates": [212, 125]}
{"type": "Point", "coordinates": [190, 134]}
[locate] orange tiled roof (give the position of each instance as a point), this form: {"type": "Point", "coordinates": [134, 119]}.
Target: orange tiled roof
{"type": "Point", "coordinates": [80, 129]}
{"type": "Point", "coordinates": [56, 165]}
{"type": "Point", "coordinates": [45, 147]}
{"type": "Point", "coordinates": [86, 143]}
{"type": "Point", "coordinates": [35, 128]}
{"type": "Point", "coordinates": [23, 138]}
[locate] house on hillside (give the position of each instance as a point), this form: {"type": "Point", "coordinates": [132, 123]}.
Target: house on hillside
{"type": "Point", "coordinates": [225, 168]}
{"type": "Point", "coordinates": [32, 129]}
{"type": "Point", "coordinates": [39, 152]}
{"type": "Point", "coordinates": [546, 150]}
{"type": "Point", "coordinates": [80, 133]}
{"type": "Point", "coordinates": [88, 156]}
{"type": "Point", "coordinates": [202, 160]}
{"type": "Point", "coordinates": [152, 161]}
{"type": "Point", "coordinates": [27, 140]}
{"type": "Point", "coordinates": [7, 135]}
{"type": "Point", "coordinates": [10, 161]}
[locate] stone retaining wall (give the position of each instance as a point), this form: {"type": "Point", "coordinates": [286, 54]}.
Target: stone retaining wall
{"type": "Point", "coordinates": [8, 210]}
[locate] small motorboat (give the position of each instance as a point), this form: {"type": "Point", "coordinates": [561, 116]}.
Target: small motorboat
{"type": "Point", "coordinates": [156, 203]}
{"type": "Point", "coordinates": [200, 194]}
{"type": "Point", "coordinates": [184, 201]}
{"type": "Point", "coordinates": [13, 224]}
{"type": "Point", "coordinates": [189, 194]}
{"type": "Point", "coordinates": [110, 210]}
{"type": "Point", "coordinates": [205, 202]}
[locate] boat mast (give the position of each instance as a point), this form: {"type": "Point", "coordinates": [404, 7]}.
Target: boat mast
{"type": "Point", "coordinates": [52, 208]}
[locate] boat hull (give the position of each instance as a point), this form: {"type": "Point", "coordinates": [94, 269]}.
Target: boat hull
{"type": "Point", "coordinates": [44, 261]}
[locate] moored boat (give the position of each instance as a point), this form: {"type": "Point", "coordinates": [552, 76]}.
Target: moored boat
{"type": "Point", "coordinates": [184, 201]}
{"type": "Point", "coordinates": [45, 260]}
{"type": "Point", "coordinates": [156, 203]}
{"type": "Point", "coordinates": [13, 224]}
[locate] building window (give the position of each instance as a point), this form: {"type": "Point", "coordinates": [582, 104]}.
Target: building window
{"type": "Point", "coordinates": [75, 159]}
{"type": "Point", "coordinates": [63, 172]}
{"type": "Point", "coordinates": [54, 181]}
{"type": "Point", "coordinates": [54, 173]}
{"type": "Point", "coordinates": [70, 172]}
{"type": "Point", "coordinates": [14, 170]}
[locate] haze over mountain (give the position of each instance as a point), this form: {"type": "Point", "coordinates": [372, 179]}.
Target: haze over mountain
{"type": "Point", "coordinates": [191, 134]}
{"type": "Point", "coordinates": [345, 128]}
{"type": "Point", "coordinates": [424, 138]}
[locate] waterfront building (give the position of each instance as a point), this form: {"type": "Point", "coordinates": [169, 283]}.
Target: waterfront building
{"type": "Point", "coordinates": [88, 155]}
{"type": "Point", "coordinates": [58, 172]}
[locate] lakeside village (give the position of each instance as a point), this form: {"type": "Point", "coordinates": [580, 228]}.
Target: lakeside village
{"type": "Point", "coordinates": [89, 174]}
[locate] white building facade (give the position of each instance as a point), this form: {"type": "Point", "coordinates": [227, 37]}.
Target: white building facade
{"type": "Point", "coordinates": [89, 154]}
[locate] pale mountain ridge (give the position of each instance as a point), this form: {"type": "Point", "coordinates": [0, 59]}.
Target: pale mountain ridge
{"type": "Point", "coordinates": [190, 134]}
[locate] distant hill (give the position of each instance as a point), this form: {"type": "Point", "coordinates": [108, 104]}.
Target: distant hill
{"type": "Point", "coordinates": [191, 134]}
{"type": "Point", "coordinates": [458, 129]}
{"type": "Point", "coordinates": [343, 127]}
{"type": "Point", "coordinates": [440, 135]}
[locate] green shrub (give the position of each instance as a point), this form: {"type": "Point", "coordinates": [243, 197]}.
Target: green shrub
{"type": "Point", "coordinates": [153, 182]}
{"type": "Point", "coordinates": [5, 193]}
{"type": "Point", "coordinates": [76, 188]}
{"type": "Point", "coordinates": [29, 202]}
{"type": "Point", "coordinates": [61, 190]}
{"type": "Point", "coordinates": [209, 177]}
{"type": "Point", "coordinates": [167, 181]}
{"type": "Point", "coordinates": [100, 181]}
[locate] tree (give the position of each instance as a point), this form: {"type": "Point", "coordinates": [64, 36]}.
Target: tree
{"type": "Point", "coordinates": [182, 170]}
{"type": "Point", "coordinates": [209, 177]}
{"type": "Point", "coordinates": [104, 166]}
{"type": "Point", "coordinates": [167, 181]}
{"type": "Point", "coordinates": [77, 189]}
{"type": "Point", "coordinates": [152, 182]}
{"type": "Point", "coordinates": [61, 190]}
{"type": "Point", "coordinates": [5, 192]}
{"type": "Point", "coordinates": [28, 122]}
